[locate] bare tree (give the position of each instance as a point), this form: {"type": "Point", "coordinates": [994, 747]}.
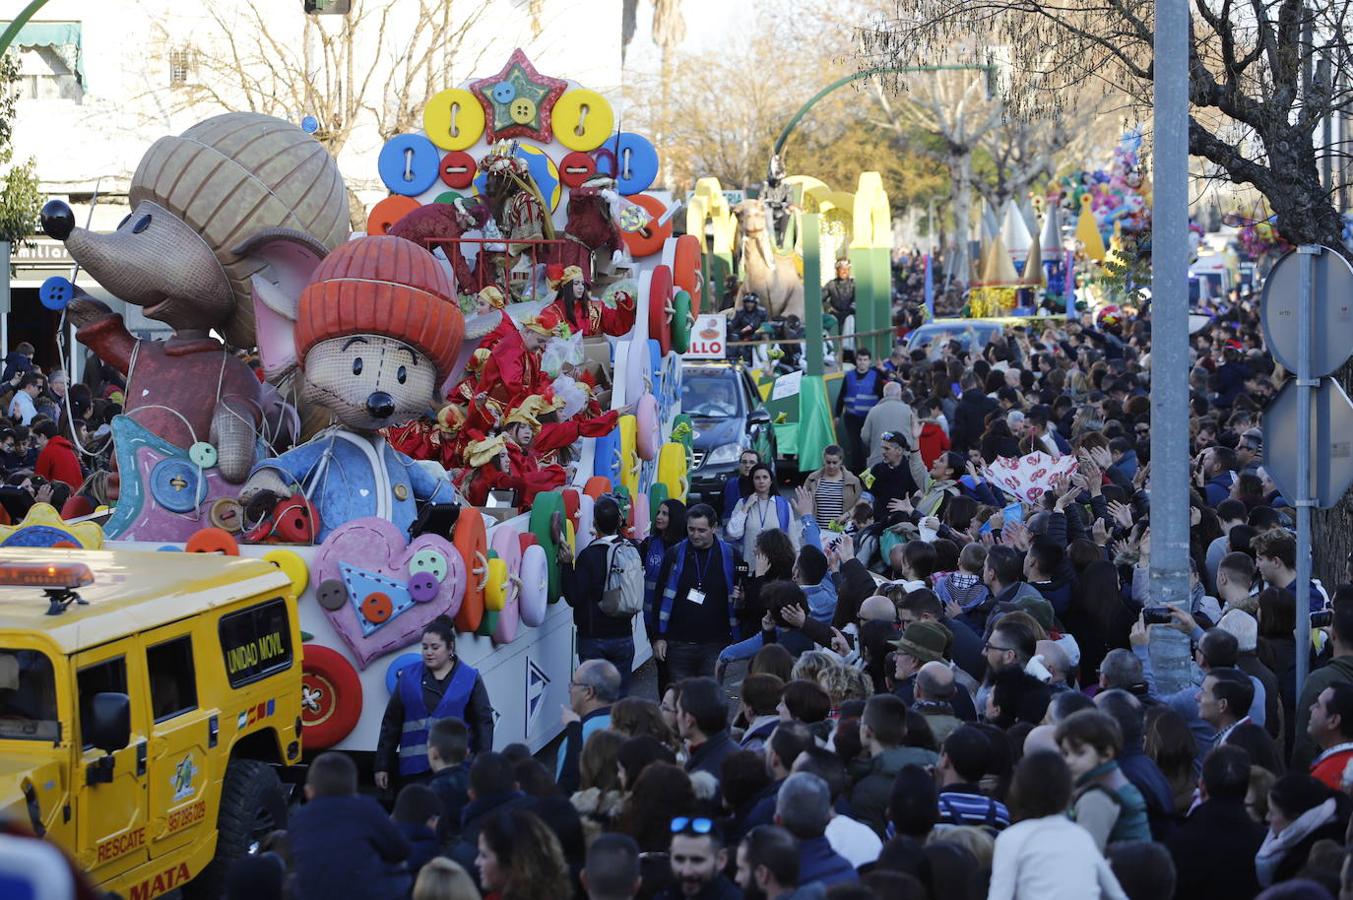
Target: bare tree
{"type": "Point", "coordinates": [382, 60]}
{"type": "Point", "coordinates": [1264, 75]}
{"type": "Point", "coordinates": [955, 106]}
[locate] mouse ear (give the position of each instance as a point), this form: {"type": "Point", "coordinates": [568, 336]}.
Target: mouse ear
{"type": "Point", "coordinates": [287, 259]}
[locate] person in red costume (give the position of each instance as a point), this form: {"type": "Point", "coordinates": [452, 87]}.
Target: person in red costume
{"type": "Point", "coordinates": [576, 309]}
{"type": "Point", "coordinates": [512, 371]}
{"type": "Point", "coordinates": [489, 299]}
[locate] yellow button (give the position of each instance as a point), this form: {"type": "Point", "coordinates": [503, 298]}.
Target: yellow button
{"type": "Point", "coordinates": [401, 492]}
{"type": "Point", "coordinates": [583, 120]}
{"type": "Point", "coordinates": [292, 566]}
{"type": "Point", "coordinates": [454, 119]}
{"type": "Point", "coordinates": [522, 111]}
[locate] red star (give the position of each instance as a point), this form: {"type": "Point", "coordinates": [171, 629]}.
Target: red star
{"type": "Point", "coordinates": [541, 90]}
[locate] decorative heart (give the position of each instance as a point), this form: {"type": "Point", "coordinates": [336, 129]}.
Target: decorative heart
{"type": "Point", "coordinates": [371, 553]}
{"type": "Point", "coordinates": [1032, 476]}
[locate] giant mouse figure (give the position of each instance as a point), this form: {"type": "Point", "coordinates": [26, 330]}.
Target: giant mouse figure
{"type": "Point", "coordinates": [195, 199]}
{"type": "Point", "coordinates": [375, 328]}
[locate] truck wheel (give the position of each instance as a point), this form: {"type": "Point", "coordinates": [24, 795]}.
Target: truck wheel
{"type": "Point", "coordinates": [252, 804]}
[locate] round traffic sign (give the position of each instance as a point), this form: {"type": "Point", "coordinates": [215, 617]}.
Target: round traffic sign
{"type": "Point", "coordinates": [1331, 311]}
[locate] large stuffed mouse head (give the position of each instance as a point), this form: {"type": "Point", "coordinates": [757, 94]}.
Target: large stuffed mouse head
{"type": "Point", "coordinates": [374, 327]}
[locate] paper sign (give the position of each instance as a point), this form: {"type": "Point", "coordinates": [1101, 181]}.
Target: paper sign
{"type": "Point", "coordinates": [787, 386]}
{"type": "Point", "coordinates": [709, 338]}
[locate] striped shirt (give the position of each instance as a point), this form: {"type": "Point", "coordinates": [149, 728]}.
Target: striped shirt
{"type": "Point", "coordinates": [829, 500]}
{"type": "Point", "coordinates": [963, 805]}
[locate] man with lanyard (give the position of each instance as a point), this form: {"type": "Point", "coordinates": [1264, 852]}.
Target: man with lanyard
{"type": "Point", "coordinates": [861, 389]}
{"type": "Point", "coordinates": [695, 617]}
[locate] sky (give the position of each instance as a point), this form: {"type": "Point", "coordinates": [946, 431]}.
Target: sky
{"type": "Point", "coordinates": [708, 23]}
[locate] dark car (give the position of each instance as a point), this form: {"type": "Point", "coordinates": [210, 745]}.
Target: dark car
{"type": "Point", "coordinates": [728, 417]}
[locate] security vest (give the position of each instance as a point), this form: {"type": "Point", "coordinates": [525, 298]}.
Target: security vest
{"type": "Point", "coordinates": [413, 740]}
{"type": "Point", "coordinates": [861, 392]}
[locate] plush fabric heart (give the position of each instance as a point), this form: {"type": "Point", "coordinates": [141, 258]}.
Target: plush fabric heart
{"type": "Point", "coordinates": [371, 552]}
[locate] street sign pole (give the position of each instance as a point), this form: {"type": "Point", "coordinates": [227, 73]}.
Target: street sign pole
{"type": "Point", "coordinates": [1306, 255]}
{"type": "Point", "coordinates": [1169, 583]}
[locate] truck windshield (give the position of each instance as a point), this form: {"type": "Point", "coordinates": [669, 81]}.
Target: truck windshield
{"type": "Point", "coordinates": [710, 396]}
{"type": "Point", "coordinates": [27, 697]}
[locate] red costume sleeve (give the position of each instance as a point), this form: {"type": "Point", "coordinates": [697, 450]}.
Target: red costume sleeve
{"type": "Point", "coordinates": [617, 321]}
{"type": "Point", "coordinates": [110, 340]}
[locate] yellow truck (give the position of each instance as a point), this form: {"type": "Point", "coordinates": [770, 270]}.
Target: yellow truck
{"type": "Point", "coordinates": [147, 704]}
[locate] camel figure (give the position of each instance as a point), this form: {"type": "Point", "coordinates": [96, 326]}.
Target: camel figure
{"type": "Point", "coordinates": [775, 279]}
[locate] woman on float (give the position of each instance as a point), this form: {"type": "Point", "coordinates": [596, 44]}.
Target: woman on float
{"type": "Point", "coordinates": [575, 307]}
{"type": "Point", "coordinates": [440, 686]}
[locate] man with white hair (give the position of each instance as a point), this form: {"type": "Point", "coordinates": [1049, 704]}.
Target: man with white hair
{"type": "Point", "coordinates": [1246, 631]}
{"type": "Point", "coordinates": [804, 808]}
{"type": "Point", "coordinates": [891, 414]}
{"type": "Point", "coordinates": [1057, 664]}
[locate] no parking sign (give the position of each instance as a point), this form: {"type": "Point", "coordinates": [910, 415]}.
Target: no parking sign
{"type": "Point", "coordinates": [709, 338]}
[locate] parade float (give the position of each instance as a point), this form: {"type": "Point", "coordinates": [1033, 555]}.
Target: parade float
{"type": "Point", "coordinates": [373, 446]}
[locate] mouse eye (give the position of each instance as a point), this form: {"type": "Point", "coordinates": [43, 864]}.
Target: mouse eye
{"type": "Point", "coordinates": [402, 375]}
{"type": "Point", "coordinates": [357, 366]}
{"type": "Point", "coordinates": [141, 224]}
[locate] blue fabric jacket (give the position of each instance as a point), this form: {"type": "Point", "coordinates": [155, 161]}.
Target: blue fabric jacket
{"type": "Point", "coordinates": [350, 476]}
{"type": "Point", "coordinates": [818, 862]}
{"type": "Point", "coordinates": [346, 847]}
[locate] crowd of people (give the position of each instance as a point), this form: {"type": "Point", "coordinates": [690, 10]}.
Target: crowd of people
{"type": "Point", "coordinates": [897, 681]}
{"type": "Point", "coordinates": [55, 437]}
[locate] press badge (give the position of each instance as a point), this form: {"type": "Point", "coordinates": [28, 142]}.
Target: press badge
{"type": "Point", "coordinates": [696, 596]}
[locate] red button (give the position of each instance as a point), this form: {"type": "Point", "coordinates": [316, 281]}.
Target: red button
{"type": "Point", "coordinates": [376, 607]}
{"type": "Point", "coordinates": [458, 169]}
{"type": "Point", "coordinates": [575, 168]}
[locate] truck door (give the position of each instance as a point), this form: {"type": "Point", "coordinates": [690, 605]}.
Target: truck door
{"type": "Point", "coordinates": [183, 736]}
{"type": "Point", "coordinates": [110, 809]}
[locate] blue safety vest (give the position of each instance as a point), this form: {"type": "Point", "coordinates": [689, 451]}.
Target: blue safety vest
{"type": "Point", "coordinates": [413, 740]}
{"type": "Point", "coordinates": [861, 392]}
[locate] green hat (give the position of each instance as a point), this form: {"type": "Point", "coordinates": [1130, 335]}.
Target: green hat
{"type": "Point", "coordinates": [924, 641]}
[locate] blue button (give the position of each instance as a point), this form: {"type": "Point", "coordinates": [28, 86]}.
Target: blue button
{"type": "Point", "coordinates": [175, 485]}
{"type": "Point", "coordinates": [504, 92]}
{"type": "Point", "coordinates": [409, 164]}
{"type": "Point", "coordinates": [56, 292]}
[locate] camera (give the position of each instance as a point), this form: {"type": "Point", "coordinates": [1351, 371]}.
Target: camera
{"type": "Point", "coordinates": [1156, 615]}
{"type": "Point", "coordinates": [1322, 619]}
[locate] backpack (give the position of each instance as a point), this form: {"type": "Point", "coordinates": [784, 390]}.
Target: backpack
{"type": "Point", "coordinates": [623, 595]}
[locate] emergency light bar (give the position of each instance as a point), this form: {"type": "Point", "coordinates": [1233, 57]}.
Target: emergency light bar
{"type": "Point", "coordinates": [61, 576]}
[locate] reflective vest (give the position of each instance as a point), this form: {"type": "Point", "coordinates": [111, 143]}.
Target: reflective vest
{"type": "Point", "coordinates": [413, 740]}
{"type": "Point", "coordinates": [861, 392]}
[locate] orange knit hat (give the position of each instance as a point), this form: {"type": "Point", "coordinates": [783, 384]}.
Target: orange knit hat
{"type": "Point", "coordinates": [382, 285]}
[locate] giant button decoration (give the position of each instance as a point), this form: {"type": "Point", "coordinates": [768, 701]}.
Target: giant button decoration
{"type": "Point", "coordinates": [454, 119]}
{"type": "Point", "coordinates": [582, 120]}
{"type": "Point", "coordinates": [458, 170]}
{"type": "Point", "coordinates": [632, 159]}
{"type": "Point", "coordinates": [409, 164]}
{"type": "Point", "coordinates": [176, 485]}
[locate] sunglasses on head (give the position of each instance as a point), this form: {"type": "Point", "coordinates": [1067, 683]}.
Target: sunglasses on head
{"type": "Point", "coordinates": [688, 825]}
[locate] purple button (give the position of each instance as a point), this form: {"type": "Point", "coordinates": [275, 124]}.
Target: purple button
{"type": "Point", "coordinates": [423, 587]}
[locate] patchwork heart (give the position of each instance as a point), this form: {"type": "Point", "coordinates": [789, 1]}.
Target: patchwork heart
{"type": "Point", "coordinates": [379, 590]}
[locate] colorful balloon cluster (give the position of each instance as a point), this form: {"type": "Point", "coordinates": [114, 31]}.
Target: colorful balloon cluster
{"type": "Point", "coordinates": [1118, 196]}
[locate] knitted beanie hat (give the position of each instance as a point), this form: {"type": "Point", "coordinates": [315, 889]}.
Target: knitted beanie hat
{"type": "Point", "coordinates": [387, 286]}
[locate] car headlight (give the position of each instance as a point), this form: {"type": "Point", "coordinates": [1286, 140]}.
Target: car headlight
{"type": "Point", "coordinates": [728, 453]}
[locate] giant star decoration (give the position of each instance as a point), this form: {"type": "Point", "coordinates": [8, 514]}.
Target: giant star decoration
{"type": "Point", "coordinates": [518, 100]}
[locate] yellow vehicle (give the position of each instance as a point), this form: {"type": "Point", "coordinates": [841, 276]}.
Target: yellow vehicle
{"type": "Point", "coordinates": [146, 701]}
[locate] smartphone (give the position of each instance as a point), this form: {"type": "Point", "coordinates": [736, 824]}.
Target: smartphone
{"type": "Point", "coordinates": [1322, 619]}
{"type": "Point", "coordinates": [1156, 615]}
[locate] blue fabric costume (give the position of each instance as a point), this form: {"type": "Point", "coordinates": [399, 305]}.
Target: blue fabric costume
{"type": "Point", "coordinates": [350, 476]}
